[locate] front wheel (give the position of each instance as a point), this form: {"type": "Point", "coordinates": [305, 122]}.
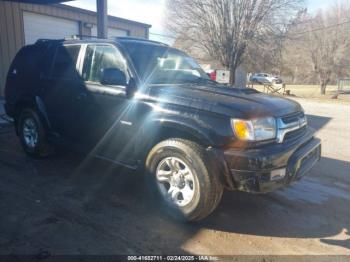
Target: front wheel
{"type": "Point", "coordinates": [184, 178]}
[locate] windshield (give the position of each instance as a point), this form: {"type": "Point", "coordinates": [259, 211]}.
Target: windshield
{"type": "Point", "coordinates": [164, 65]}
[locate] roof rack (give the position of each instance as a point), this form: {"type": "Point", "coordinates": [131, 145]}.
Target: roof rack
{"type": "Point", "coordinates": [73, 37]}
{"type": "Point", "coordinates": [138, 39]}
{"type": "Point", "coordinates": [45, 40]}
{"type": "Point", "coordinates": [86, 37]}
{"type": "Point", "coordinates": [82, 37]}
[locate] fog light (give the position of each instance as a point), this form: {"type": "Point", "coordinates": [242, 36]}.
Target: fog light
{"type": "Point", "coordinates": [278, 174]}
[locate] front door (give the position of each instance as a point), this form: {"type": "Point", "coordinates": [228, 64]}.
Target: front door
{"type": "Point", "coordinates": [106, 105]}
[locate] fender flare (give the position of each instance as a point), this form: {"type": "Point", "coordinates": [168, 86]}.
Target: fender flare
{"type": "Point", "coordinates": [35, 103]}
{"type": "Point", "coordinates": [153, 132]}
{"type": "Point", "coordinates": [183, 126]}
{"type": "Point", "coordinates": [42, 110]}
{"type": "Point", "coordinates": [198, 132]}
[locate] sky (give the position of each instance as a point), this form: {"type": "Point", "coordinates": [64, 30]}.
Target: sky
{"type": "Point", "coordinates": [315, 5]}
{"type": "Point", "coordinates": [153, 12]}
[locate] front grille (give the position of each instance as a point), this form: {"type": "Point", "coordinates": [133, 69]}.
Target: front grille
{"type": "Point", "coordinates": [293, 118]}
{"type": "Point", "coordinates": [291, 126]}
{"type": "Point", "coordinates": [295, 134]}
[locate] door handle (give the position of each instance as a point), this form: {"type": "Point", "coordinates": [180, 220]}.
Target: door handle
{"type": "Point", "coordinates": [82, 96]}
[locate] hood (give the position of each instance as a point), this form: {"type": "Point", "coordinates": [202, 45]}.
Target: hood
{"type": "Point", "coordinates": [233, 102]}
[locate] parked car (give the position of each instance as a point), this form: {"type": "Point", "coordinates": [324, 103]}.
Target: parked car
{"type": "Point", "coordinates": [143, 104]}
{"type": "Point", "coordinates": [263, 78]}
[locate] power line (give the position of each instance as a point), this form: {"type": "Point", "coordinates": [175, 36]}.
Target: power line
{"type": "Point", "coordinates": [293, 34]}
{"type": "Point", "coordinates": [321, 28]}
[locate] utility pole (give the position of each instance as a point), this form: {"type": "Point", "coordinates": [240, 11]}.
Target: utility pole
{"type": "Point", "coordinates": [102, 18]}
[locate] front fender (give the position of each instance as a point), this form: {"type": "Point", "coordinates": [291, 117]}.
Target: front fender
{"type": "Point", "coordinates": [182, 125]}
{"type": "Point", "coordinates": [206, 130]}
{"type": "Point", "coordinates": [162, 128]}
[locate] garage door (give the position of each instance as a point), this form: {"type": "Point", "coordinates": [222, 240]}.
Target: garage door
{"type": "Point", "coordinates": [112, 32]}
{"type": "Point", "coordinates": [42, 26]}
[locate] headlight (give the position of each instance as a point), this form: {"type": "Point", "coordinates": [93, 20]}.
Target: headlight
{"type": "Point", "coordinates": [255, 129]}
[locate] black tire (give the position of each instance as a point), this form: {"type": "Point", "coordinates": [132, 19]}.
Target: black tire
{"type": "Point", "coordinates": [41, 148]}
{"type": "Point", "coordinates": [209, 189]}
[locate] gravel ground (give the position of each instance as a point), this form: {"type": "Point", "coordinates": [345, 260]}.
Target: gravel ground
{"type": "Point", "coordinates": [70, 205]}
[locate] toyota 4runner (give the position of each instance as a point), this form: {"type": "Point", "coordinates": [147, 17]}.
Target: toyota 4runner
{"type": "Point", "coordinates": [140, 103]}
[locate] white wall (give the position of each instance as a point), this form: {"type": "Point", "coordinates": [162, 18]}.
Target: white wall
{"type": "Point", "coordinates": [112, 32]}
{"type": "Point", "coordinates": [42, 26]}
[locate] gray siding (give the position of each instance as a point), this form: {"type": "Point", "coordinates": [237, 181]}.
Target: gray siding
{"type": "Point", "coordinates": [12, 29]}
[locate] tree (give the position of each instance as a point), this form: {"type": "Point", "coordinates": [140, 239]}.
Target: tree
{"type": "Point", "coordinates": [266, 53]}
{"type": "Point", "coordinates": [320, 46]}
{"type": "Point", "coordinates": [225, 28]}
{"type": "Point", "coordinates": [328, 47]}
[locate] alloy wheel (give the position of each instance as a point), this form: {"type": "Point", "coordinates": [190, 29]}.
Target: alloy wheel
{"type": "Point", "coordinates": [175, 181]}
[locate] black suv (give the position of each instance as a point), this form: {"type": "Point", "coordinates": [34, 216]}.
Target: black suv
{"type": "Point", "coordinates": [140, 103]}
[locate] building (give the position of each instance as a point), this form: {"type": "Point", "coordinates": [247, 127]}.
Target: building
{"type": "Point", "coordinates": [22, 24]}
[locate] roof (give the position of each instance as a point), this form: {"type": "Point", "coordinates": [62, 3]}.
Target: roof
{"type": "Point", "coordinates": [98, 40]}
{"type": "Point", "coordinates": [138, 40]}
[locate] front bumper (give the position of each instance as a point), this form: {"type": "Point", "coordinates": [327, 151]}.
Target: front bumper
{"type": "Point", "coordinates": [253, 170]}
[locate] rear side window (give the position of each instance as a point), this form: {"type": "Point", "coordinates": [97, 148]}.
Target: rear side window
{"type": "Point", "coordinates": [65, 62]}
{"type": "Point", "coordinates": [99, 57]}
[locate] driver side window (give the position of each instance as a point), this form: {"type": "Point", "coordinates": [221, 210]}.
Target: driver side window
{"type": "Point", "coordinates": [100, 57]}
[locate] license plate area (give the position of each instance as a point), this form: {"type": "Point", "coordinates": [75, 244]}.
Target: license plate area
{"type": "Point", "coordinates": [306, 162]}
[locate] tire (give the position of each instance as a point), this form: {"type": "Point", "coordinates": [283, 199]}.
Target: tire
{"type": "Point", "coordinates": [32, 134]}
{"type": "Point", "coordinates": [194, 202]}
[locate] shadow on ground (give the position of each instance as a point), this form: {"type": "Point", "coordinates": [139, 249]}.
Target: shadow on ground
{"type": "Point", "coordinates": [318, 122]}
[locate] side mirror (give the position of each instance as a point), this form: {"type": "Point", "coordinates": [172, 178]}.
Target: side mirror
{"type": "Point", "coordinates": [113, 76]}
{"type": "Point", "coordinates": [131, 88]}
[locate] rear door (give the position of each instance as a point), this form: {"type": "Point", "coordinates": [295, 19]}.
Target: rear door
{"type": "Point", "coordinates": [61, 89]}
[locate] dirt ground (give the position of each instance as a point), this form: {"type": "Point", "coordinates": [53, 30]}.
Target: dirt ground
{"type": "Point", "coordinates": [68, 204]}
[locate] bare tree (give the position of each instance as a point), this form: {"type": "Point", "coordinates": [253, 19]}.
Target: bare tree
{"type": "Point", "coordinates": [266, 53]}
{"type": "Point", "coordinates": [328, 47]}
{"type": "Point", "coordinates": [224, 28]}
{"type": "Point", "coordinates": [320, 46]}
